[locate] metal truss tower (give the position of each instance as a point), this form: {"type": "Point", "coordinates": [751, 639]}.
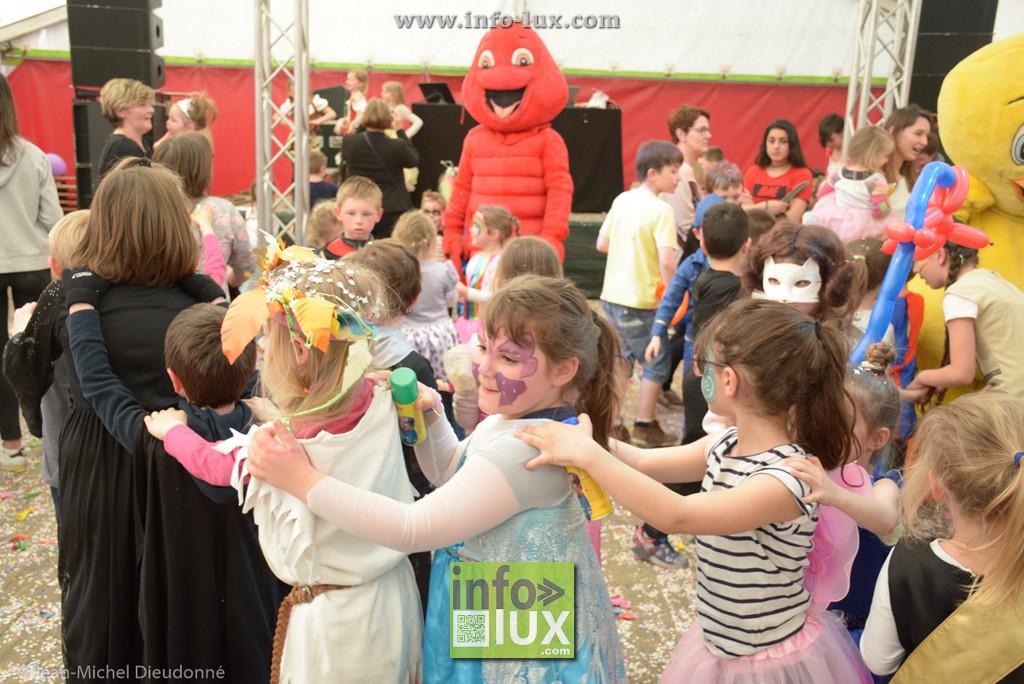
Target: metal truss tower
{"type": "Point", "coordinates": [282, 47]}
{"type": "Point", "coordinates": [885, 28]}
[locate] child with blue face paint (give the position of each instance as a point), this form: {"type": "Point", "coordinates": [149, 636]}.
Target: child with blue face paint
{"type": "Point", "coordinates": [543, 355]}
{"type": "Point", "coordinates": [778, 376]}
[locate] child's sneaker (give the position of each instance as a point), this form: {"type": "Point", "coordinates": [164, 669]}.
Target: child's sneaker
{"type": "Point", "coordinates": [651, 436]}
{"type": "Point", "coordinates": [12, 459]}
{"type": "Point", "coordinates": [658, 551]}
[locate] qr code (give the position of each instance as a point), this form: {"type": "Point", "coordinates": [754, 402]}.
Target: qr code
{"type": "Point", "coordinates": [470, 629]}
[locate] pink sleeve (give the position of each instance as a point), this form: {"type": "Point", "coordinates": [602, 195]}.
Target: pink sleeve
{"type": "Point", "coordinates": [214, 258]}
{"type": "Point", "coordinates": [476, 499]}
{"type": "Point", "coordinates": [199, 457]}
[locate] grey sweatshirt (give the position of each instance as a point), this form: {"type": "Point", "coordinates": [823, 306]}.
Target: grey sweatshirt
{"type": "Point", "coordinates": [28, 209]}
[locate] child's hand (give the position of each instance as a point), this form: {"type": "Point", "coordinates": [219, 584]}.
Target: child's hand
{"type": "Point", "coordinates": [810, 471]}
{"type": "Point", "coordinates": [277, 458]}
{"type": "Point", "coordinates": [462, 290]}
{"type": "Point", "coordinates": [262, 408]}
{"type": "Point", "coordinates": [653, 348]}
{"type": "Point", "coordinates": [82, 286]}
{"type": "Point", "coordinates": [159, 423]}
{"type": "Point", "coordinates": [22, 315]}
{"type": "Point", "coordinates": [204, 219]}
{"type": "Point", "coordinates": [559, 443]}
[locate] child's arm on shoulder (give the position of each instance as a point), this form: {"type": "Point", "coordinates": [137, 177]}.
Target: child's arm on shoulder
{"type": "Point", "coordinates": [118, 409]}
{"type": "Point", "coordinates": [476, 499]}
{"type": "Point", "coordinates": [756, 502]}
{"type": "Point", "coordinates": [194, 453]}
{"type": "Point", "coordinates": [878, 514]}
{"type": "Point", "coordinates": [880, 643]}
{"type": "Point", "coordinates": [212, 254]}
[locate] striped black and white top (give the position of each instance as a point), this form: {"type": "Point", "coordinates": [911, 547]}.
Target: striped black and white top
{"type": "Point", "coordinates": [750, 592]}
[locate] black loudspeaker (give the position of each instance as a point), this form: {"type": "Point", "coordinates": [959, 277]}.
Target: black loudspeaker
{"type": "Point", "coordinates": [113, 27]}
{"type": "Point", "coordinates": [115, 39]}
{"type": "Point", "coordinates": [949, 31]}
{"type": "Point", "coordinates": [91, 133]}
{"type": "Point", "coordinates": [93, 66]}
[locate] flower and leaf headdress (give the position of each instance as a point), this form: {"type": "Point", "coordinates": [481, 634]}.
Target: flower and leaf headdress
{"type": "Point", "coordinates": [287, 292]}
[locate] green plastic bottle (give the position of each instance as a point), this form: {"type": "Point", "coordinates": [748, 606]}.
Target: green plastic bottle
{"type": "Point", "coordinates": [405, 391]}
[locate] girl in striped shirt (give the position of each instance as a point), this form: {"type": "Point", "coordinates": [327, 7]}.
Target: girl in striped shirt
{"type": "Point", "coordinates": [778, 376]}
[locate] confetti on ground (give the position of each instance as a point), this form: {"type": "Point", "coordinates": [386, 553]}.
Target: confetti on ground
{"type": "Point", "coordinates": [30, 495]}
{"type": "Point", "coordinates": [20, 517]}
{"type": "Point", "coordinates": [5, 495]}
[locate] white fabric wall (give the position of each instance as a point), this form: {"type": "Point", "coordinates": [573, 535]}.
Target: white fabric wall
{"type": "Point", "coordinates": [796, 38]}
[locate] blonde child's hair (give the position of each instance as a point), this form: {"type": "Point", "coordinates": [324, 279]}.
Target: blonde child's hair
{"type": "Point", "coordinates": [296, 389]}
{"type": "Point", "coordinates": [528, 254]}
{"type": "Point", "coordinates": [415, 230]}
{"type": "Point", "coordinates": [360, 187]}
{"type": "Point", "coordinates": [396, 90]}
{"type": "Point", "coordinates": [122, 93]}
{"type": "Point", "coordinates": [317, 161]}
{"type": "Point", "coordinates": [973, 446]}
{"type": "Point", "coordinates": [433, 196]}
{"type": "Point", "coordinates": [202, 111]}
{"type": "Point", "coordinates": [867, 143]}
{"type": "Point", "coordinates": [501, 221]}
{"type": "Point", "coordinates": [322, 225]}
{"type": "Point", "coordinates": [363, 77]}
{"type": "Point", "coordinates": [65, 237]}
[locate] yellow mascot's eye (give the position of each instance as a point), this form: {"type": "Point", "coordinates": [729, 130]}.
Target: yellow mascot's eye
{"type": "Point", "coordinates": [486, 60]}
{"type": "Point", "coordinates": [522, 57]}
{"type": "Point", "coordinates": [1017, 148]}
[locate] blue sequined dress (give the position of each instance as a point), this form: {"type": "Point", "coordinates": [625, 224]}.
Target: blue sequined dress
{"type": "Point", "coordinates": [554, 533]}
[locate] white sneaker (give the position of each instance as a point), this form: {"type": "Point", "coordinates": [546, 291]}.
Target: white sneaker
{"type": "Point", "coordinates": [12, 459]}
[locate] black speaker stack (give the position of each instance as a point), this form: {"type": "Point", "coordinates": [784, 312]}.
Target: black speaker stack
{"type": "Point", "coordinates": [109, 39]}
{"type": "Point", "coordinates": [949, 31]}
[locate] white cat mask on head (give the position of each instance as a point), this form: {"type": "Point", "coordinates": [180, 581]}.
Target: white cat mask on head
{"type": "Point", "coordinates": [790, 283]}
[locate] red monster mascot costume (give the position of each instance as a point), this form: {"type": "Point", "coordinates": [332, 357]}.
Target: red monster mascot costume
{"type": "Point", "coordinates": [513, 158]}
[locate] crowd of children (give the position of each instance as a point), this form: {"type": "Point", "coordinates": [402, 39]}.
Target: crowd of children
{"type": "Point", "coordinates": [265, 433]}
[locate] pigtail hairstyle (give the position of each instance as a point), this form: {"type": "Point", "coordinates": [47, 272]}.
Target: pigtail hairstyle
{"type": "Point", "coordinates": [501, 220]}
{"type": "Point", "coordinates": [797, 242]}
{"type": "Point", "coordinates": [554, 315]}
{"type": "Point", "coordinates": [791, 365]}
{"type": "Point", "coordinates": [869, 264]}
{"type": "Point", "coordinates": [972, 447]}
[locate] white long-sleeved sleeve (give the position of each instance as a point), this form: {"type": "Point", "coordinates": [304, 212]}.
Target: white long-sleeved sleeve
{"type": "Point", "coordinates": [477, 498]}
{"type": "Point", "coordinates": [880, 644]}
{"type": "Point", "coordinates": [438, 453]}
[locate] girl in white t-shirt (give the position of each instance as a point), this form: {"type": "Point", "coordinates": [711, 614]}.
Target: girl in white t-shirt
{"type": "Point", "coordinates": [778, 376]}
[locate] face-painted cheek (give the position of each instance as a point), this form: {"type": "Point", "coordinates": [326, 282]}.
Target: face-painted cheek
{"type": "Point", "coordinates": [476, 373]}
{"type": "Point", "coordinates": [707, 386]}
{"type": "Point", "coordinates": [509, 389]}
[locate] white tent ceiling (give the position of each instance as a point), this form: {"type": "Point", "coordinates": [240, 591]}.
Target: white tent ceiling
{"type": "Point", "coordinates": [787, 38]}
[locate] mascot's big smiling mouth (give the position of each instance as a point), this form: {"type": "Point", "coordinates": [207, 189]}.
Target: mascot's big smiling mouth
{"type": "Point", "coordinates": [504, 102]}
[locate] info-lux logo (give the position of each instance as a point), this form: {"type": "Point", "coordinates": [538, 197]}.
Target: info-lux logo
{"type": "Point", "coordinates": [512, 610]}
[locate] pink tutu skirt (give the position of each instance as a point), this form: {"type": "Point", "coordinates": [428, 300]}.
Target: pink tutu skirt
{"type": "Point", "coordinates": [820, 652]}
{"type": "Point", "coordinates": [849, 223]}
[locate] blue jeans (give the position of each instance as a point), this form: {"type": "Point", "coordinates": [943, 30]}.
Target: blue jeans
{"type": "Point", "coordinates": [634, 328]}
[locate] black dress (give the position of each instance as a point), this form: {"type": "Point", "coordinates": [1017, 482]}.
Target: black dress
{"type": "Point", "coordinates": [381, 159]}
{"type": "Point", "coordinates": [151, 567]}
